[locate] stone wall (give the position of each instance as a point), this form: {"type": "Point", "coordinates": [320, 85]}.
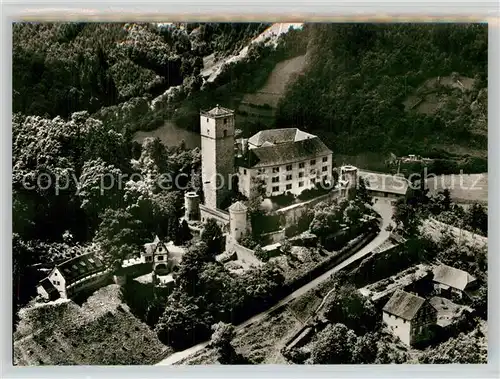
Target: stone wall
{"type": "Point", "coordinates": [273, 237]}
{"type": "Point", "coordinates": [222, 217]}
{"type": "Point", "coordinates": [293, 212]}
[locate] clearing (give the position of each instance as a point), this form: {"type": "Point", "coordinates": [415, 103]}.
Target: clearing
{"type": "Point", "coordinates": [464, 188]}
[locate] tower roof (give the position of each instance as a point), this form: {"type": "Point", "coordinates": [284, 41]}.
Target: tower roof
{"type": "Point", "coordinates": [218, 111]}
{"type": "Point", "coordinates": [238, 207]}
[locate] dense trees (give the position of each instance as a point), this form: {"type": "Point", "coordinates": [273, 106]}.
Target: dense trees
{"type": "Point", "coordinates": [360, 75]}
{"type": "Point", "coordinates": [335, 345]}
{"type": "Point", "coordinates": [213, 237]}
{"type": "Point", "coordinates": [462, 349]}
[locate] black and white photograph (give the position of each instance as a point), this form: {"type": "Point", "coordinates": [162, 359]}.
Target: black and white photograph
{"type": "Point", "coordinates": [249, 193]}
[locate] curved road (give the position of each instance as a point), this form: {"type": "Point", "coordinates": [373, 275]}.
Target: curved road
{"type": "Point", "coordinates": [382, 207]}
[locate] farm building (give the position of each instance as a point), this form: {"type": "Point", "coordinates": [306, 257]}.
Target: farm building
{"type": "Point", "coordinates": [449, 280]}
{"type": "Point", "coordinates": [72, 276]}
{"type": "Point", "coordinates": [409, 317]}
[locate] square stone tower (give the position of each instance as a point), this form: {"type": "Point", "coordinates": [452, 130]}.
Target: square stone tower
{"type": "Point", "coordinates": [217, 154]}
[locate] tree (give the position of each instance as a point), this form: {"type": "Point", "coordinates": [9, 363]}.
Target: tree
{"type": "Point", "coordinates": [477, 218]}
{"type": "Point", "coordinates": [120, 235]}
{"type": "Point", "coordinates": [185, 234]}
{"type": "Point", "coordinates": [335, 345]}
{"type": "Point", "coordinates": [407, 217]}
{"type": "Point", "coordinates": [365, 350]}
{"type": "Point", "coordinates": [362, 192]}
{"type": "Point", "coordinates": [466, 348]}
{"type": "Point", "coordinates": [347, 306]}
{"type": "Point", "coordinates": [221, 341]}
{"type": "Point", "coordinates": [191, 266]}
{"type": "Point", "coordinates": [213, 237]}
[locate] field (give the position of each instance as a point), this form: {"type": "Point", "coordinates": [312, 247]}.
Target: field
{"type": "Point", "coordinates": [277, 81]}
{"type": "Point", "coordinates": [100, 332]}
{"type": "Point", "coordinates": [464, 188]}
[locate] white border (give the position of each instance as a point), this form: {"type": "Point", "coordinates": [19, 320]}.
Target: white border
{"type": "Point", "coordinates": [258, 10]}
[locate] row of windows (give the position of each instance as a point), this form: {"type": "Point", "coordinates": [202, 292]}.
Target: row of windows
{"type": "Point", "coordinates": [56, 282]}
{"type": "Point", "coordinates": [289, 167]}
{"type": "Point", "coordinates": [301, 184]}
{"type": "Point", "coordinates": [276, 179]}
{"type": "Point", "coordinates": [150, 258]}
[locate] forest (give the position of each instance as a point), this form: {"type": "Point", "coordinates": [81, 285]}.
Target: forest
{"type": "Point", "coordinates": [359, 75]}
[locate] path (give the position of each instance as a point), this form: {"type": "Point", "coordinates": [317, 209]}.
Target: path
{"type": "Point", "coordinates": [382, 206]}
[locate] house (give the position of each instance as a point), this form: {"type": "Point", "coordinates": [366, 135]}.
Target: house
{"type": "Point", "coordinates": [69, 278]}
{"type": "Point", "coordinates": [284, 160]}
{"type": "Point", "coordinates": [164, 256]}
{"type": "Point", "coordinates": [385, 185]}
{"type": "Point", "coordinates": [449, 280]}
{"type": "Point", "coordinates": [409, 317]}
{"type": "Point", "coordinates": [46, 290]}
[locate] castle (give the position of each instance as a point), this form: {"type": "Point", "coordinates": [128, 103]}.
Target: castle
{"type": "Point", "coordinates": [281, 160]}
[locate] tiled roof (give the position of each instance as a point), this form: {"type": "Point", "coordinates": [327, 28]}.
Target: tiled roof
{"type": "Point", "coordinates": [452, 277]}
{"type": "Point", "coordinates": [403, 304]}
{"type": "Point", "coordinates": [377, 181]}
{"type": "Point", "coordinates": [47, 285]}
{"type": "Point", "coordinates": [150, 247]}
{"type": "Point", "coordinates": [219, 111]}
{"type": "Point", "coordinates": [238, 207]}
{"type": "Point", "coordinates": [286, 152]}
{"type": "Point", "coordinates": [79, 267]}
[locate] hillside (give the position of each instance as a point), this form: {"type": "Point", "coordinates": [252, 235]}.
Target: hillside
{"type": "Point", "coordinates": [60, 68]}
{"type": "Point", "coordinates": [374, 87]}
{"type": "Point", "coordinates": [100, 332]}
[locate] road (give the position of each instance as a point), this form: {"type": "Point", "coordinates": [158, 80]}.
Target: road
{"type": "Point", "coordinates": [382, 206]}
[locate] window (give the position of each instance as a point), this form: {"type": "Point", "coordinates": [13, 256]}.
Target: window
{"type": "Point", "coordinates": [301, 184]}
{"type": "Point", "coordinates": [288, 187]}
{"type": "Point", "coordinates": [276, 169]}
{"type": "Point", "coordinates": [160, 257]}
{"type": "Point", "coordinates": [276, 189]}
{"type": "Point", "coordinates": [261, 171]}
{"type": "Point", "coordinates": [313, 162]}
{"type": "Point", "coordinates": [55, 273]}
{"type": "Point", "coordinates": [301, 174]}
{"type": "Point", "coordinates": [325, 159]}
{"type": "Point", "coordinates": [289, 177]}
{"type": "Point", "coordinates": [301, 165]}
{"type": "Point", "coordinates": [312, 172]}
{"type": "Point", "coordinates": [289, 167]}
{"type": "Point", "coordinates": [325, 178]}
{"type": "Point", "coordinates": [148, 259]}
{"type": "Point", "coordinates": [225, 121]}
{"type": "Point", "coordinates": [224, 133]}
{"type": "Point", "coordinates": [244, 171]}
{"type": "Point", "coordinates": [313, 181]}
{"type": "Point", "coordinates": [325, 168]}
{"type": "Point", "coordinates": [208, 120]}
{"type": "Point", "coordinates": [276, 179]}
{"type": "Point", "coordinates": [160, 249]}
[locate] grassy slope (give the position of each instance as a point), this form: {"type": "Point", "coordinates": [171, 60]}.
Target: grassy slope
{"type": "Point", "coordinates": [100, 332]}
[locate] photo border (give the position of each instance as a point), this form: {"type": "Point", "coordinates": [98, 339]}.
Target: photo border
{"type": "Point", "coordinates": [285, 11]}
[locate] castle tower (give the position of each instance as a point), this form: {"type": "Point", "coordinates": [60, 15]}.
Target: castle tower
{"type": "Point", "coordinates": [238, 225]}
{"type": "Point", "coordinates": [349, 174]}
{"type": "Point", "coordinates": [217, 154]}
{"type": "Point", "coordinates": [191, 206]}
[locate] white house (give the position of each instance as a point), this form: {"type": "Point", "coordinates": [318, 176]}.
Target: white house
{"type": "Point", "coordinates": [449, 280]}
{"type": "Point", "coordinates": [164, 256]}
{"type": "Point", "coordinates": [284, 160]}
{"type": "Point", "coordinates": [409, 316]}
{"type": "Point", "coordinates": [72, 276]}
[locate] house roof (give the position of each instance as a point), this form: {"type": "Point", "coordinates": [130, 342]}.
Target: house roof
{"type": "Point", "coordinates": [48, 286]}
{"type": "Point", "coordinates": [218, 111]}
{"type": "Point", "coordinates": [238, 207]}
{"type": "Point", "coordinates": [79, 267]}
{"type": "Point", "coordinates": [404, 305]}
{"type": "Point", "coordinates": [377, 181]}
{"type": "Point", "coordinates": [452, 277]}
{"type": "Point", "coordinates": [282, 146]}
{"type": "Point", "coordinates": [150, 247]}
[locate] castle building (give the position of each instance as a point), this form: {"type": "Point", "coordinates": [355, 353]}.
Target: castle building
{"type": "Point", "coordinates": [284, 160]}
{"type": "Point", "coordinates": [217, 151]}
